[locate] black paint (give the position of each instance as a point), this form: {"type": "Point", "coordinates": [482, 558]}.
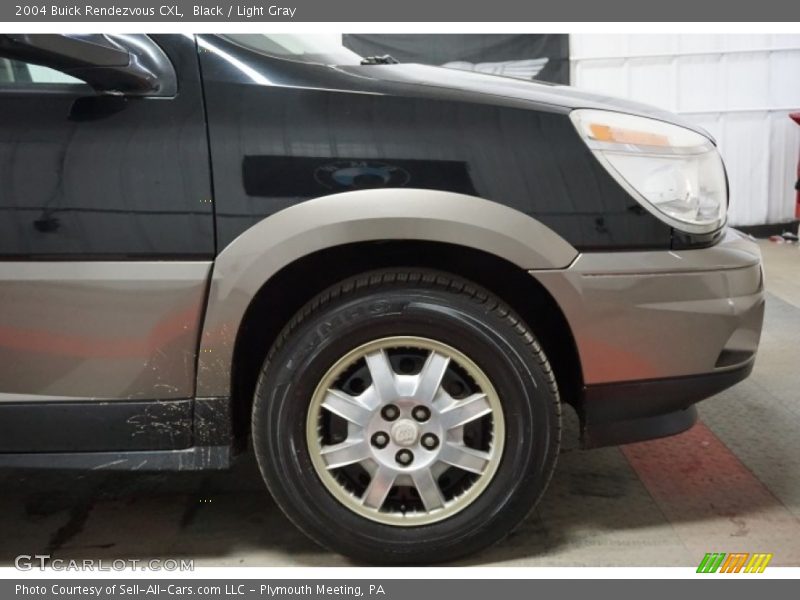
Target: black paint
{"type": "Point", "coordinates": [274, 123]}
{"type": "Point", "coordinates": [88, 176]}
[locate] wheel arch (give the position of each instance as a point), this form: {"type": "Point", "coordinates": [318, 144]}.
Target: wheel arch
{"type": "Point", "coordinates": [291, 254]}
{"type": "Point", "coordinates": [265, 318]}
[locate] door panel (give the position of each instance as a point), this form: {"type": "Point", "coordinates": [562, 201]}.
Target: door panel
{"type": "Point", "coordinates": [98, 177]}
{"type": "Point", "coordinates": [106, 236]}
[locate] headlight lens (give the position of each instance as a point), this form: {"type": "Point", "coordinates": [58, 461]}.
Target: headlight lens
{"type": "Point", "coordinates": [675, 173]}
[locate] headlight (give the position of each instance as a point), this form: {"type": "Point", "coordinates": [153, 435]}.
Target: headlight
{"type": "Point", "coordinates": [675, 173]}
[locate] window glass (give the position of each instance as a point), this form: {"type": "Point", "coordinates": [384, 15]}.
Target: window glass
{"type": "Point", "coordinates": [15, 73]}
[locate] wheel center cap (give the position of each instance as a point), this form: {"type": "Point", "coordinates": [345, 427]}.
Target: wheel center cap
{"type": "Point", "coordinates": [405, 432]}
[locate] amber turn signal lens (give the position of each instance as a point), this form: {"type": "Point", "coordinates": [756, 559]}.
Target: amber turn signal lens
{"type": "Point", "coordinates": [606, 133]}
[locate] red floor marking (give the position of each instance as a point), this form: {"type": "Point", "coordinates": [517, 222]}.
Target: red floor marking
{"type": "Point", "coordinates": [712, 500]}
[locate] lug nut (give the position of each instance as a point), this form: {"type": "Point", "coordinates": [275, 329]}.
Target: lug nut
{"type": "Point", "coordinates": [404, 457]}
{"type": "Point", "coordinates": [430, 441]}
{"type": "Point", "coordinates": [380, 439]}
{"type": "Point", "coordinates": [421, 413]}
{"type": "Point", "coordinates": [390, 412]}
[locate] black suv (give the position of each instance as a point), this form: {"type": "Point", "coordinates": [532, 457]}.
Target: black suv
{"type": "Point", "coordinates": [388, 278]}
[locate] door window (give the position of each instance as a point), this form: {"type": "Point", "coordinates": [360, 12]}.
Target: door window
{"type": "Point", "coordinates": [21, 75]}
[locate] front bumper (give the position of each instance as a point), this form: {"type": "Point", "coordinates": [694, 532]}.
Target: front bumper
{"type": "Point", "coordinates": [658, 331]}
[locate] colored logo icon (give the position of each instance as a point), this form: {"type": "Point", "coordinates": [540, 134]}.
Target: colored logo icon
{"type": "Point", "coordinates": [737, 562]}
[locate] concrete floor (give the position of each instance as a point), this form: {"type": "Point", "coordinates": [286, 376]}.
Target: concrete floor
{"type": "Point", "coordinates": [732, 483]}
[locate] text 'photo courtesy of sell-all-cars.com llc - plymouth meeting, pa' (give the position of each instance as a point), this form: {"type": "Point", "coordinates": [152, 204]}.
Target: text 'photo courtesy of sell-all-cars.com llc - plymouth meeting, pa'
{"type": "Point", "coordinates": [390, 279]}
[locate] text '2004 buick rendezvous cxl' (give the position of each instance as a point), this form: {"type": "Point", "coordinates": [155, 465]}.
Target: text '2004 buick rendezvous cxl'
{"type": "Point", "coordinates": [387, 278]}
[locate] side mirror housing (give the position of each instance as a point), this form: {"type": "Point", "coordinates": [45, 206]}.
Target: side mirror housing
{"type": "Point", "coordinates": [130, 65]}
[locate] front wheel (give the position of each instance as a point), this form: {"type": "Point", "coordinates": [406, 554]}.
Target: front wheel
{"type": "Point", "coordinates": [406, 416]}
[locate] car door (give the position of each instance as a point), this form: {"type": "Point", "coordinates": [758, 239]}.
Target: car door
{"type": "Point", "coordinates": [106, 242]}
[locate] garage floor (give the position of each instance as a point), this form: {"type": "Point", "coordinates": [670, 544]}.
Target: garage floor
{"type": "Point", "coordinates": [731, 484]}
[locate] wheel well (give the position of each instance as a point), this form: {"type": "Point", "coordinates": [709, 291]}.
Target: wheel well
{"type": "Point", "coordinates": [286, 292]}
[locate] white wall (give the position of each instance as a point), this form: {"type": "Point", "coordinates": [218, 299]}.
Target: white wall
{"type": "Point", "coordinates": [741, 88]}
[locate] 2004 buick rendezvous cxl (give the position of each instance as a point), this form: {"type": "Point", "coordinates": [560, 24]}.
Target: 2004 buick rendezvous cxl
{"type": "Point", "coordinates": [388, 278]}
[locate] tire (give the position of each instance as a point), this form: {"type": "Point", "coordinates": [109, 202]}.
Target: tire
{"type": "Point", "coordinates": [445, 316]}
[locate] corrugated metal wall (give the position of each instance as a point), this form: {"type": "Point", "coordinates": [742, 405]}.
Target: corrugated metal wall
{"type": "Point", "coordinates": [741, 88]}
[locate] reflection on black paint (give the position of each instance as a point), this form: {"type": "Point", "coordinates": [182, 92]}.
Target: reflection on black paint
{"type": "Point", "coordinates": [283, 131]}
{"type": "Point", "coordinates": [310, 176]}
{"type": "Point", "coordinates": [47, 223]}
{"type": "Point", "coordinates": [99, 176]}
{"type": "Point", "coordinates": [93, 108]}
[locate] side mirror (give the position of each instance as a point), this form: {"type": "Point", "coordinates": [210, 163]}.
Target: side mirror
{"type": "Point", "coordinates": [131, 65]}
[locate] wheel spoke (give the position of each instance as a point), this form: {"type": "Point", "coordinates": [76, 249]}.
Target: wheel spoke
{"type": "Point", "coordinates": [378, 488]}
{"type": "Point", "coordinates": [464, 411]}
{"type": "Point", "coordinates": [465, 458]}
{"type": "Point", "coordinates": [428, 489]}
{"type": "Point", "coordinates": [430, 378]}
{"type": "Point", "coordinates": [345, 453]}
{"type": "Point", "coordinates": [382, 374]}
{"type": "Point", "coordinates": [347, 407]}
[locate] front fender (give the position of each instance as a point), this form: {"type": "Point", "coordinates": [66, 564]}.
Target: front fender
{"type": "Point", "coordinates": [259, 253]}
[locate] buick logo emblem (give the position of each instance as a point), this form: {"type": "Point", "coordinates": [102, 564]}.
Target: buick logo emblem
{"type": "Point", "coordinates": [405, 432]}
